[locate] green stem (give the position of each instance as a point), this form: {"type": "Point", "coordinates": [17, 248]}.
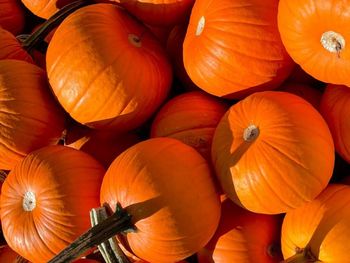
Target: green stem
{"type": "Point", "coordinates": [119, 222]}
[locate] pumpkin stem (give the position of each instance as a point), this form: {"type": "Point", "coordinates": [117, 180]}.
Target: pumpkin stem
{"type": "Point", "coordinates": [29, 42]}
{"type": "Point", "coordinates": [251, 133]}
{"type": "Point", "coordinates": [118, 222]}
{"type": "Point", "coordinates": [301, 256]}
{"type": "Point", "coordinates": [333, 42]}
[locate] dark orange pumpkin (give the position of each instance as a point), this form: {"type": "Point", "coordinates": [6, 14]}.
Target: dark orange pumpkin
{"type": "Point", "coordinates": [233, 48]}
{"type": "Point", "coordinates": [111, 74]}
{"type": "Point", "coordinates": [243, 237]}
{"type": "Point", "coordinates": [11, 16]}
{"type": "Point", "coordinates": [335, 108]}
{"type": "Point", "coordinates": [153, 180]}
{"type": "Point", "coordinates": [191, 118]}
{"type": "Point", "coordinates": [46, 199]}
{"type": "Point", "coordinates": [7, 255]}
{"type": "Point", "coordinates": [45, 8]}
{"type": "Point", "coordinates": [273, 152]}
{"type": "Point", "coordinates": [30, 118]}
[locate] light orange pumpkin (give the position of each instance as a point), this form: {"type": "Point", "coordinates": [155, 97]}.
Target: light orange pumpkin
{"type": "Point", "coordinates": [30, 118]}
{"type": "Point", "coordinates": [273, 152]}
{"type": "Point", "coordinates": [46, 199]}
{"type": "Point", "coordinates": [113, 74]}
{"type": "Point", "coordinates": [191, 118]}
{"type": "Point", "coordinates": [12, 16]}
{"type": "Point", "coordinates": [319, 230]}
{"type": "Point", "coordinates": [233, 48]}
{"type": "Point", "coordinates": [335, 108]}
{"type": "Point", "coordinates": [315, 34]}
{"type": "Point", "coordinates": [243, 237]}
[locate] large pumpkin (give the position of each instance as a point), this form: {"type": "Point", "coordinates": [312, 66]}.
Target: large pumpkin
{"type": "Point", "coordinates": [273, 152]}
{"type": "Point", "coordinates": [315, 34]}
{"type": "Point", "coordinates": [335, 108]}
{"type": "Point", "coordinates": [11, 16]}
{"type": "Point", "coordinates": [30, 118]}
{"type": "Point", "coordinates": [46, 199]}
{"type": "Point", "coordinates": [233, 48]}
{"type": "Point", "coordinates": [243, 237]}
{"type": "Point", "coordinates": [319, 231]}
{"type": "Point", "coordinates": [110, 74]}
{"type": "Point", "coordinates": [154, 181]}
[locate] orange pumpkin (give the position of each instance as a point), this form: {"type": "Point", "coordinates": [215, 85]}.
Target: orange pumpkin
{"type": "Point", "coordinates": [159, 12]}
{"type": "Point", "coordinates": [153, 180]}
{"type": "Point", "coordinates": [319, 230]}
{"type": "Point", "coordinates": [30, 118]}
{"type": "Point", "coordinates": [233, 48]}
{"type": "Point", "coordinates": [112, 74]}
{"type": "Point", "coordinates": [335, 109]}
{"type": "Point", "coordinates": [10, 48]}
{"type": "Point", "coordinates": [46, 199]}
{"type": "Point", "coordinates": [314, 34]}
{"type": "Point", "coordinates": [244, 237]}
{"type": "Point", "coordinates": [191, 118]}
{"type": "Point", "coordinates": [11, 16]}
{"type": "Point", "coordinates": [273, 152]}
{"type": "Point", "coordinates": [45, 8]}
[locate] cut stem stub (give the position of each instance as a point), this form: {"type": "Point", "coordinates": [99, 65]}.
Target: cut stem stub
{"type": "Point", "coordinates": [251, 133]}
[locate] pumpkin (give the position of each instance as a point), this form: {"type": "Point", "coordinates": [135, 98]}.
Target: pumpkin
{"type": "Point", "coordinates": [153, 180]}
{"type": "Point", "coordinates": [159, 12]}
{"type": "Point", "coordinates": [272, 152]}
{"type": "Point", "coordinates": [104, 146]}
{"type": "Point", "coordinates": [244, 237]}
{"type": "Point", "coordinates": [30, 118]}
{"type": "Point", "coordinates": [335, 109]}
{"type": "Point", "coordinates": [11, 16]}
{"type": "Point", "coordinates": [191, 118]}
{"type": "Point", "coordinates": [45, 8]}
{"type": "Point", "coordinates": [233, 48]}
{"type": "Point", "coordinates": [314, 34]}
{"type": "Point", "coordinates": [41, 209]}
{"type": "Point", "coordinates": [7, 255]}
{"type": "Point", "coordinates": [319, 230]}
{"type": "Point", "coordinates": [102, 86]}
{"type": "Point", "coordinates": [307, 92]}
{"type": "Point", "coordinates": [10, 48]}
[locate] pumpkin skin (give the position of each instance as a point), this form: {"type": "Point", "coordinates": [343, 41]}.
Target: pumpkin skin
{"type": "Point", "coordinates": [45, 8]}
{"type": "Point", "coordinates": [191, 118]}
{"type": "Point", "coordinates": [244, 237]}
{"type": "Point", "coordinates": [10, 48]}
{"type": "Point", "coordinates": [323, 226]}
{"type": "Point", "coordinates": [7, 255]}
{"type": "Point", "coordinates": [30, 118]}
{"type": "Point", "coordinates": [11, 16]}
{"type": "Point", "coordinates": [102, 86]}
{"type": "Point", "coordinates": [153, 180]}
{"type": "Point", "coordinates": [305, 27]}
{"type": "Point", "coordinates": [288, 162]}
{"type": "Point", "coordinates": [233, 48]}
{"type": "Point", "coordinates": [335, 109]}
{"type": "Point", "coordinates": [159, 12]}
{"type": "Point", "coordinates": [61, 212]}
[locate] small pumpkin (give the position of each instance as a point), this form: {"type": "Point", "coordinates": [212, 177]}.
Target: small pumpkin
{"type": "Point", "coordinates": [244, 237]}
{"type": "Point", "coordinates": [41, 209]}
{"type": "Point", "coordinates": [233, 48]}
{"type": "Point", "coordinates": [30, 118]}
{"type": "Point", "coordinates": [335, 109]}
{"type": "Point", "coordinates": [108, 75]}
{"type": "Point", "coordinates": [191, 118]}
{"type": "Point", "coordinates": [272, 152]}
{"type": "Point", "coordinates": [12, 16]}
{"type": "Point", "coordinates": [319, 230]}
{"type": "Point", "coordinates": [315, 38]}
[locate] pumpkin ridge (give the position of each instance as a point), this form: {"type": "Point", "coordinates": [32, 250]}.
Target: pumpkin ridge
{"type": "Point", "coordinates": [13, 150]}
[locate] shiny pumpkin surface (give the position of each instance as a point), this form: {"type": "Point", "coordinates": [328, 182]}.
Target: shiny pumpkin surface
{"type": "Point", "coordinates": [233, 48]}
{"type": "Point", "coordinates": [46, 199]}
{"type": "Point", "coordinates": [289, 162]}
{"type": "Point", "coordinates": [153, 180]}
{"type": "Point", "coordinates": [307, 30]}
{"type": "Point", "coordinates": [11, 16]}
{"type": "Point", "coordinates": [107, 74]}
{"type": "Point", "coordinates": [335, 108]}
{"type": "Point", "coordinates": [322, 226]}
{"type": "Point", "coordinates": [30, 118]}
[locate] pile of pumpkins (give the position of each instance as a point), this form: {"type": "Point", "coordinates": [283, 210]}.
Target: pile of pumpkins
{"type": "Point", "coordinates": [217, 127]}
